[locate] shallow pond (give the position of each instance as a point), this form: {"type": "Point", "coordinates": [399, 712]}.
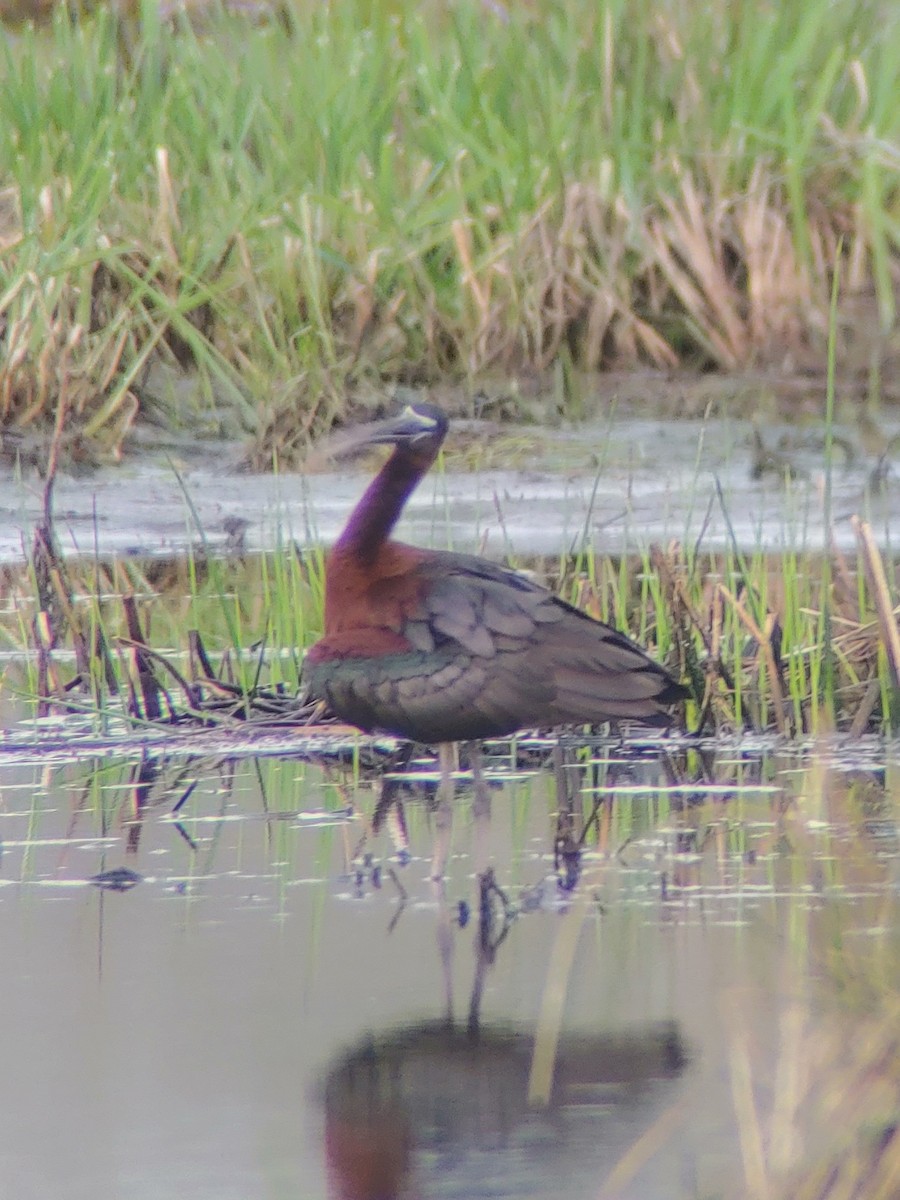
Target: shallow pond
{"type": "Point", "coordinates": [230, 973]}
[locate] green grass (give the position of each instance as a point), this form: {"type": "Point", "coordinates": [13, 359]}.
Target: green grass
{"type": "Point", "coordinates": [684, 605]}
{"type": "Point", "coordinates": [294, 208]}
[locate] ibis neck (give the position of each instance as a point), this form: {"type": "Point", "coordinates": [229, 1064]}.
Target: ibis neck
{"type": "Point", "coordinates": [377, 513]}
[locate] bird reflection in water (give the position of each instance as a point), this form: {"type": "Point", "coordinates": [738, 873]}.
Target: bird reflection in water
{"type": "Point", "coordinates": [443, 1102]}
{"type": "Point", "coordinates": [430, 1108]}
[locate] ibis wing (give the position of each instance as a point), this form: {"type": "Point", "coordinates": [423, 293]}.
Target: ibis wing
{"type": "Point", "coordinates": [543, 661]}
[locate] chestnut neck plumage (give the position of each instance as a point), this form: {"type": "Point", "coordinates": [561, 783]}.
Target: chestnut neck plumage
{"type": "Point", "coordinates": [378, 511]}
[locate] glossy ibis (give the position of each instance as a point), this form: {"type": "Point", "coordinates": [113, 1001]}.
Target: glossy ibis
{"type": "Point", "coordinates": [441, 647]}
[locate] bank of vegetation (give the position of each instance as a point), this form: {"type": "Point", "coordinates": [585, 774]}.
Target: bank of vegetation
{"type": "Point", "coordinates": [256, 220]}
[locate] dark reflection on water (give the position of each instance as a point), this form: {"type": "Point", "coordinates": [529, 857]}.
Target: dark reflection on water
{"type": "Point", "coordinates": [438, 1109]}
{"type": "Point", "coordinates": [235, 977]}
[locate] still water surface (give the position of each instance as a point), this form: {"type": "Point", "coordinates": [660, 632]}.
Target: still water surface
{"type": "Point", "coordinates": [263, 1009]}
{"type": "Point", "coordinates": [617, 485]}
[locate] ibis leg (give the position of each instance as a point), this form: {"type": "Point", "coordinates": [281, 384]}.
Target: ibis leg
{"type": "Point", "coordinates": [443, 813]}
{"type": "Point", "coordinates": [481, 808]}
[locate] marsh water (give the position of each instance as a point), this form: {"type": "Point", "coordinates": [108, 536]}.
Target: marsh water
{"type": "Point", "coordinates": [230, 972]}
{"type": "Point", "coordinates": [616, 485]}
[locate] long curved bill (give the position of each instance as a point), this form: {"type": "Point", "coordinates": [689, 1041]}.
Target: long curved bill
{"type": "Point", "coordinates": [405, 426]}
